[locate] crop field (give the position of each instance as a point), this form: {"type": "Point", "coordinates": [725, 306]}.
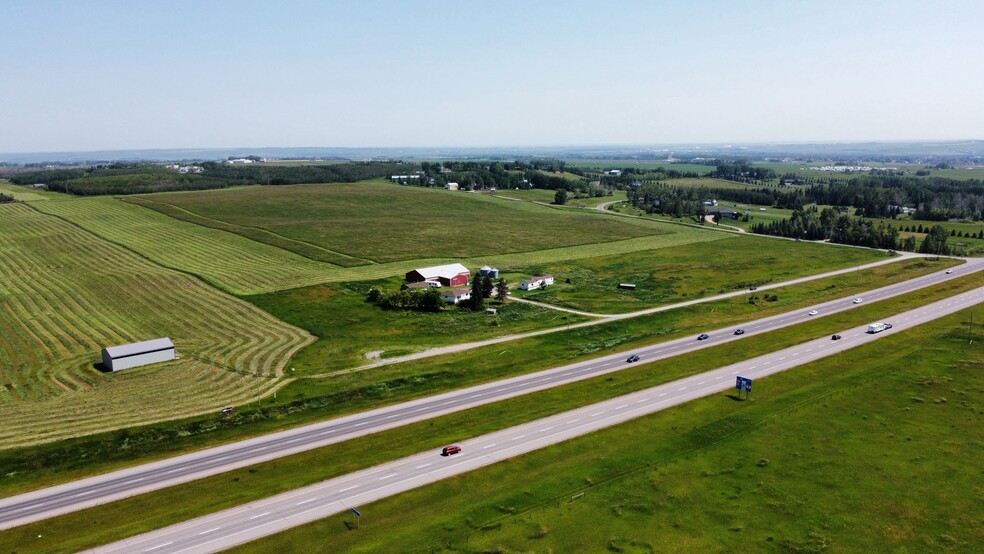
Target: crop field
{"type": "Point", "coordinates": [686, 272]}
{"type": "Point", "coordinates": [244, 267]}
{"type": "Point", "coordinates": [382, 222]}
{"type": "Point", "coordinates": [24, 194]}
{"type": "Point", "coordinates": [65, 293]}
{"type": "Point", "coordinates": [811, 463]}
{"type": "Point", "coordinates": [227, 260]}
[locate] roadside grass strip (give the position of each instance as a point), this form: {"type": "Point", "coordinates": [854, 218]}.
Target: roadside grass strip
{"type": "Point", "coordinates": [65, 294]}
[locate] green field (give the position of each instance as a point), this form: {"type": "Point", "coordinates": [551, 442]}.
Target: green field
{"type": "Point", "coordinates": [65, 293]}
{"type": "Point", "coordinates": [640, 164]}
{"type": "Point", "coordinates": [382, 222]}
{"type": "Point", "coordinates": [227, 260]}
{"type": "Point", "coordinates": [874, 450]}
{"type": "Point", "coordinates": [698, 426]}
{"type": "Point", "coordinates": [352, 332]}
{"type": "Point", "coordinates": [242, 266]}
{"type": "Point", "coordinates": [671, 275]}
{"type": "Point", "coordinates": [25, 194]}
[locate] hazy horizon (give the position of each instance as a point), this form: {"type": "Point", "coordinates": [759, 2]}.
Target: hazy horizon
{"type": "Point", "coordinates": [110, 76]}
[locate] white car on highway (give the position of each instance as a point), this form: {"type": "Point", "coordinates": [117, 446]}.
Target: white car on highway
{"type": "Point", "coordinates": [813, 312]}
{"type": "Point", "coordinates": [857, 300]}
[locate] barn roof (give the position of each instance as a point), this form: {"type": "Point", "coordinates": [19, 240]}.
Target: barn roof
{"type": "Point", "coordinates": [446, 271]}
{"type": "Point", "coordinates": [125, 350]}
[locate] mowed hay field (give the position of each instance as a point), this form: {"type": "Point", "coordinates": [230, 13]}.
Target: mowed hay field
{"type": "Point", "coordinates": [384, 222]}
{"type": "Point", "coordinates": [245, 267]}
{"type": "Point", "coordinates": [65, 293]}
{"type": "Point", "coordinates": [227, 260]}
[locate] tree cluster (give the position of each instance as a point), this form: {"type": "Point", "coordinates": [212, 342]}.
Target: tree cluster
{"type": "Point", "coordinates": [5, 198]}
{"type": "Point", "coordinates": [829, 225]}
{"type": "Point", "coordinates": [741, 172]}
{"type": "Point", "coordinates": [423, 300]}
{"type": "Point", "coordinates": [663, 199]}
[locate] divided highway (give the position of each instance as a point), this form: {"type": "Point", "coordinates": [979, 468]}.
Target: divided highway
{"type": "Point", "coordinates": [241, 524]}
{"type": "Point", "coordinates": [84, 493]}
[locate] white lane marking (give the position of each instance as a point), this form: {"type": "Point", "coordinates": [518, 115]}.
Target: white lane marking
{"type": "Point", "coordinates": [545, 429]}
{"type": "Point", "coordinates": [261, 515]}
{"type": "Point", "coordinates": [597, 413]}
{"type": "Point", "coordinates": [682, 388]}
{"type": "Point", "coordinates": [719, 377]}
{"type": "Point", "coordinates": [574, 420]}
{"type": "Point", "coordinates": [423, 466]}
{"type": "Point", "coordinates": [220, 459]}
{"type": "Point", "coordinates": [620, 407]}
{"type": "Point", "coordinates": [387, 476]}
{"type": "Point", "coordinates": [349, 488]}
{"type": "Point", "coordinates": [475, 395]}
{"type": "Point", "coordinates": [212, 530]}
{"type": "Point", "coordinates": [701, 383]}
{"type": "Point", "coordinates": [641, 401]}
{"type": "Point", "coordinates": [664, 394]}
{"type": "Point", "coordinates": [519, 437]}
{"type": "Point", "coordinates": [737, 372]}
{"type": "Point", "coordinates": [306, 501]}
{"type": "Point", "coordinates": [489, 446]}
{"type": "Point", "coordinates": [158, 546]}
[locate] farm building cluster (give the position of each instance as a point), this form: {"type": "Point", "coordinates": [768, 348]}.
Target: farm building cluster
{"type": "Point", "coordinates": [457, 277]}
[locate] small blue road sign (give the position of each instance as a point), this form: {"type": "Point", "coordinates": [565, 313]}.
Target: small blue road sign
{"type": "Point", "coordinates": [744, 384]}
{"type": "Point", "coordinates": [356, 512]}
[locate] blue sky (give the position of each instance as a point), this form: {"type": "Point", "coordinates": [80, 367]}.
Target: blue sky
{"type": "Point", "coordinates": [121, 75]}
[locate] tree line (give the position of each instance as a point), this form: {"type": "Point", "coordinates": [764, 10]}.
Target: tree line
{"type": "Point", "coordinates": [828, 224]}
{"type": "Point", "coordinates": [136, 178]}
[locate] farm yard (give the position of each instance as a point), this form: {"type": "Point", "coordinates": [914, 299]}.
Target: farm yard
{"type": "Point", "coordinates": [65, 293]}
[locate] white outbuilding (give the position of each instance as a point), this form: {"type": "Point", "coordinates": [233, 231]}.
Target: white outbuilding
{"type": "Point", "coordinates": [125, 356]}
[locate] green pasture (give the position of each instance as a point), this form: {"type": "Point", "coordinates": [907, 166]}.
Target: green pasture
{"type": "Point", "coordinates": [383, 222]}
{"type": "Point", "coordinates": [671, 275]}
{"type": "Point", "coordinates": [873, 450]}
{"type": "Point", "coordinates": [682, 430]}
{"type": "Point", "coordinates": [243, 266]}
{"type": "Point", "coordinates": [353, 332]}
{"type": "Point", "coordinates": [65, 294]}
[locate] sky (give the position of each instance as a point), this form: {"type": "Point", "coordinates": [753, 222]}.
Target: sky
{"type": "Point", "coordinates": [101, 75]}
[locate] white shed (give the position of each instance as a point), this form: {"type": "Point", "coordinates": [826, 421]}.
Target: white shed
{"type": "Point", "coordinates": [125, 356]}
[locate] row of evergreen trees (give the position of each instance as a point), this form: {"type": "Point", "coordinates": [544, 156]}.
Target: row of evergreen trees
{"type": "Point", "coordinates": [809, 224]}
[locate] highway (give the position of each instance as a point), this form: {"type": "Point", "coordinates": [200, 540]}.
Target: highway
{"type": "Point", "coordinates": [83, 493]}
{"type": "Point", "coordinates": [249, 522]}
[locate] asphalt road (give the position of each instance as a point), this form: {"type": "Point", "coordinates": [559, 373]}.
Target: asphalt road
{"type": "Point", "coordinates": [84, 493]}
{"type": "Point", "coordinates": [234, 526]}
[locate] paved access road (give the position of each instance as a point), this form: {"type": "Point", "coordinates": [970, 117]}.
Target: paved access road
{"type": "Point", "coordinates": [84, 493]}
{"type": "Point", "coordinates": [234, 526]}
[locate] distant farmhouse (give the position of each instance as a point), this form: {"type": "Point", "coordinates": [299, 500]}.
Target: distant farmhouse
{"type": "Point", "coordinates": [454, 296]}
{"type": "Point", "coordinates": [536, 282]}
{"type": "Point", "coordinates": [115, 358]}
{"type": "Point", "coordinates": [451, 275]}
{"type": "Point", "coordinates": [733, 214]}
{"type": "Point", "coordinates": [451, 186]}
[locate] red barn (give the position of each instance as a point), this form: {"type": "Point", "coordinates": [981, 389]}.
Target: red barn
{"type": "Point", "coordinates": [452, 275]}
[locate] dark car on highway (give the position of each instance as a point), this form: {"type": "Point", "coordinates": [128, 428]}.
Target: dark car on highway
{"type": "Point", "coordinates": [703, 336]}
{"type": "Point", "coordinates": [739, 331]}
{"type": "Point", "coordinates": [449, 450]}
{"type": "Point", "coordinates": [632, 358]}
{"type": "Point", "coordinates": [835, 337]}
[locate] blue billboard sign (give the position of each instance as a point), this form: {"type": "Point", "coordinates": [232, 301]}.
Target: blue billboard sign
{"type": "Point", "coordinates": [744, 384]}
{"type": "Point", "coordinates": [356, 512]}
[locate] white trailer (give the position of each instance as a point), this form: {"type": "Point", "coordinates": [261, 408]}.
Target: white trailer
{"type": "Point", "coordinates": [878, 327]}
